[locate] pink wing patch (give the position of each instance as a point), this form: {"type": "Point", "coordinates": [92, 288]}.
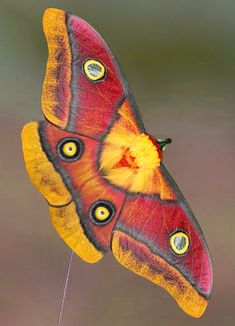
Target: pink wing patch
{"type": "Point", "coordinates": [152, 221]}
{"type": "Point", "coordinates": [93, 103]}
{"type": "Point", "coordinates": [71, 99]}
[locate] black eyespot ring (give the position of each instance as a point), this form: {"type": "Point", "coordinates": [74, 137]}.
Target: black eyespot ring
{"type": "Point", "coordinates": [70, 149]}
{"type": "Point", "coordinates": [101, 212]}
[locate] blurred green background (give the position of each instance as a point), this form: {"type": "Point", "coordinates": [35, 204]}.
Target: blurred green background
{"type": "Point", "coordinates": [179, 57]}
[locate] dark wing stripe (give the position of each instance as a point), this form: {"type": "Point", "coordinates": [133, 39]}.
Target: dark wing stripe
{"type": "Point", "coordinates": [157, 251]}
{"type": "Point", "coordinates": [74, 74]}
{"type": "Point", "coordinates": [68, 184]}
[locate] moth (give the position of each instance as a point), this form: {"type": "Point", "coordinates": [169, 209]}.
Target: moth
{"type": "Point", "coordinates": [102, 174]}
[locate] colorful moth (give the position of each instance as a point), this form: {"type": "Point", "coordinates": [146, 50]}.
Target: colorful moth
{"type": "Point", "coordinates": [102, 174]}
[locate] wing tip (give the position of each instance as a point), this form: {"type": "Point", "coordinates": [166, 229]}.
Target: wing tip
{"type": "Point", "coordinates": [190, 301]}
{"type": "Point", "coordinates": [52, 13]}
{"type": "Point", "coordinates": [52, 19]}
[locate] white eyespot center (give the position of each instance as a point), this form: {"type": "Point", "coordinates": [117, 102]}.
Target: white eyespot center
{"type": "Point", "coordinates": [94, 69]}
{"type": "Point", "coordinates": [179, 242]}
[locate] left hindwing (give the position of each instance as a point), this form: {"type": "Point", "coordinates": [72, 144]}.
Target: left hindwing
{"type": "Point", "coordinates": [63, 166]}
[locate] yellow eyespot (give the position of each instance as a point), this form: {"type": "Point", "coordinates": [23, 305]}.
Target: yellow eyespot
{"type": "Point", "coordinates": [102, 212]}
{"type": "Point", "coordinates": [94, 69]}
{"type": "Point", "coordinates": [70, 149]}
{"type": "Point", "coordinates": [179, 242]}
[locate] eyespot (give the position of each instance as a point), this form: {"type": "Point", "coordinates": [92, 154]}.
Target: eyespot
{"type": "Point", "coordinates": [94, 69]}
{"type": "Point", "coordinates": [70, 149]}
{"type": "Point", "coordinates": [102, 212]}
{"type": "Point", "coordinates": [179, 242]}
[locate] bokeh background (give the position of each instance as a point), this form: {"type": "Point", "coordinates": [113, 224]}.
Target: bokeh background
{"type": "Point", "coordinates": [179, 57]}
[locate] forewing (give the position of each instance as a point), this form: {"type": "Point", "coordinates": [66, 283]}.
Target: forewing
{"type": "Point", "coordinates": [141, 242]}
{"type": "Point", "coordinates": [73, 98]}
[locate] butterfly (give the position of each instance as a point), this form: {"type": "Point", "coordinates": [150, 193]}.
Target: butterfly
{"type": "Point", "coordinates": [102, 174]}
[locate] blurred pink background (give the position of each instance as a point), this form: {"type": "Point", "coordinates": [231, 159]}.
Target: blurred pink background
{"type": "Point", "coordinates": [179, 59]}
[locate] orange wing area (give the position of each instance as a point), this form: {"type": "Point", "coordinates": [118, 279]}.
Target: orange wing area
{"type": "Point", "coordinates": [71, 188]}
{"type": "Point", "coordinates": [129, 159]}
{"type": "Point", "coordinates": [56, 94]}
{"type": "Point", "coordinates": [154, 208]}
{"type": "Point", "coordinates": [142, 243]}
{"type": "Point", "coordinates": [70, 99]}
{"type": "Point", "coordinates": [138, 258]}
{"type": "Point", "coordinates": [67, 223]}
{"type": "Point", "coordinates": [41, 171]}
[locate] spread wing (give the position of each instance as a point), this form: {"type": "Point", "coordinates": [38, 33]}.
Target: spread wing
{"type": "Point", "coordinates": [62, 165]}
{"type": "Point", "coordinates": [84, 85]}
{"type": "Point", "coordinates": [156, 234]}
{"type": "Point", "coordinates": [102, 175]}
{"type": "Point", "coordinates": [82, 92]}
{"type": "Point", "coordinates": [160, 240]}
